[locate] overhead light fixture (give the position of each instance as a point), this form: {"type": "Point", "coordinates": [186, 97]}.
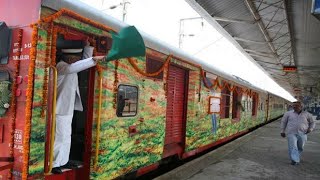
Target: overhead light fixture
{"type": "Point", "coordinates": [289, 69]}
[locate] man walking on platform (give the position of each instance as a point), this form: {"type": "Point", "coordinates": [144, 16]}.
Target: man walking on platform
{"type": "Point", "coordinates": [296, 124]}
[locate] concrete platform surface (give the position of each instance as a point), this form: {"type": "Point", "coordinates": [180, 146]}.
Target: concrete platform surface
{"type": "Point", "coordinates": [261, 154]}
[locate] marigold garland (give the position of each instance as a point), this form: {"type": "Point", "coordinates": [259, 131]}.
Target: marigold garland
{"type": "Point", "coordinates": [205, 82]}
{"type": "Point", "coordinates": [200, 87]}
{"type": "Point", "coordinates": [76, 16]}
{"type": "Point", "coordinates": [225, 85]}
{"type": "Point", "coordinates": [166, 63]}
{"type": "Point", "coordinates": [115, 83]}
{"type": "Point", "coordinates": [26, 140]}
{"type": "Point", "coordinates": [46, 66]}
{"type": "Point", "coordinates": [187, 62]}
{"type": "Point", "coordinates": [13, 97]}
{"type": "Point", "coordinates": [166, 74]}
{"type": "Point", "coordinates": [54, 45]}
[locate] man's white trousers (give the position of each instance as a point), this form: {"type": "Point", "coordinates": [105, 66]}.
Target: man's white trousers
{"type": "Point", "coordinates": [62, 142]}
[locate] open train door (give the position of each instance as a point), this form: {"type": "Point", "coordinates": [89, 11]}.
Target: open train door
{"type": "Point", "coordinates": [81, 133]}
{"type": "Point", "coordinates": [176, 112]}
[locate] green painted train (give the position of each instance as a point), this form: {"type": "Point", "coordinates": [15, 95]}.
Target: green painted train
{"type": "Point", "coordinates": [139, 112]}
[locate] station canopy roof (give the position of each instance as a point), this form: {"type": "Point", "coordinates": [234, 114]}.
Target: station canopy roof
{"type": "Point", "coordinates": [282, 36]}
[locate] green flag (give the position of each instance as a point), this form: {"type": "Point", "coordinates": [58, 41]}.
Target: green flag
{"type": "Point", "coordinates": [128, 43]}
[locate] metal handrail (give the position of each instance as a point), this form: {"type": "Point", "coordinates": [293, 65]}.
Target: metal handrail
{"type": "Point", "coordinates": [98, 123]}
{"type": "Point", "coordinates": [6, 166]}
{"type": "Point", "coordinates": [53, 119]}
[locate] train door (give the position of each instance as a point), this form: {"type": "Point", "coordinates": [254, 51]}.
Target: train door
{"type": "Point", "coordinates": [80, 150]}
{"type": "Point", "coordinates": [176, 111]}
{"type": "Point", "coordinates": [267, 107]}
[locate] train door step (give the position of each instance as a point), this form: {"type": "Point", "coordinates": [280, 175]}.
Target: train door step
{"type": "Point", "coordinates": [68, 174]}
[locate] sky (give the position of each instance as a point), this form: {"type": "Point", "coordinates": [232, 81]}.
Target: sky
{"type": "Point", "coordinates": [167, 20]}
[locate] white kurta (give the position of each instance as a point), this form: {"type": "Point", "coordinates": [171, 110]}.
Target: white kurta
{"type": "Point", "coordinates": [68, 100]}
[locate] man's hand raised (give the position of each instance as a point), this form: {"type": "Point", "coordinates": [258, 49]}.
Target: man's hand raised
{"type": "Point", "coordinates": [99, 58]}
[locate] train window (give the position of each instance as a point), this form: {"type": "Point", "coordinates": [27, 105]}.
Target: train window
{"type": "Point", "coordinates": [5, 92]}
{"type": "Point", "coordinates": [104, 44]}
{"type": "Point", "coordinates": [127, 101]}
{"type": "Point", "coordinates": [225, 103]}
{"type": "Point", "coordinates": [254, 104]}
{"type": "Point", "coordinates": [153, 65]}
{"type": "Point", "coordinates": [281, 106]}
{"type": "Point", "coordinates": [236, 104]}
{"type": "Point", "coordinates": [5, 36]}
{"type": "Point", "coordinates": [244, 104]}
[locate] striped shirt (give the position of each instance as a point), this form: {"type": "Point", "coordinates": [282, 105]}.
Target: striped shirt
{"type": "Point", "coordinates": [293, 122]}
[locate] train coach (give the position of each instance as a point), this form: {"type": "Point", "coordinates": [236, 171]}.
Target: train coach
{"type": "Point", "coordinates": [174, 105]}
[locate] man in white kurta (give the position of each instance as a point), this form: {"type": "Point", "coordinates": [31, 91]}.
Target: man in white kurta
{"type": "Point", "coordinates": [68, 100]}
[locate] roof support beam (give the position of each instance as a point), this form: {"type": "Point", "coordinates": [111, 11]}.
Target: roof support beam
{"type": "Point", "coordinates": [282, 35]}
{"type": "Point", "coordinates": [278, 32]}
{"type": "Point", "coordinates": [268, 5]}
{"type": "Point", "coordinates": [279, 22]}
{"type": "Point", "coordinates": [284, 45]}
{"type": "Point", "coordinates": [285, 50]}
{"type": "Point", "coordinates": [249, 41]}
{"type": "Point", "coordinates": [290, 34]}
{"type": "Point", "coordinates": [266, 62]}
{"type": "Point", "coordinates": [259, 55]}
{"type": "Point", "coordinates": [252, 41]}
{"type": "Point", "coordinates": [283, 57]}
{"type": "Point", "coordinates": [259, 52]}
{"type": "Point", "coordinates": [257, 17]}
{"type": "Point", "coordinates": [232, 20]}
{"type": "Point", "coordinates": [259, 5]}
{"type": "Point", "coordinates": [274, 14]}
{"type": "Point", "coordinates": [272, 68]}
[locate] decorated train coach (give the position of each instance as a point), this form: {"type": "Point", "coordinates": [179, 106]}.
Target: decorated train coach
{"type": "Point", "coordinates": [138, 111]}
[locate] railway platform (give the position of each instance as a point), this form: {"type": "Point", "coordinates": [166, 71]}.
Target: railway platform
{"type": "Point", "coordinates": [261, 154]}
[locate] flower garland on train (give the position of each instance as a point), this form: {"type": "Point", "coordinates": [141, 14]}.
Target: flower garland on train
{"type": "Point", "coordinates": [164, 67]}
{"type": "Point", "coordinates": [115, 83]}
{"type": "Point", "coordinates": [76, 16]}
{"type": "Point", "coordinates": [217, 84]}
{"type": "Point", "coordinates": [26, 141]}
{"type": "Point", "coordinates": [160, 70]}
{"type": "Point", "coordinates": [46, 66]}
{"type": "Point", "coordinates": [55, 31]}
